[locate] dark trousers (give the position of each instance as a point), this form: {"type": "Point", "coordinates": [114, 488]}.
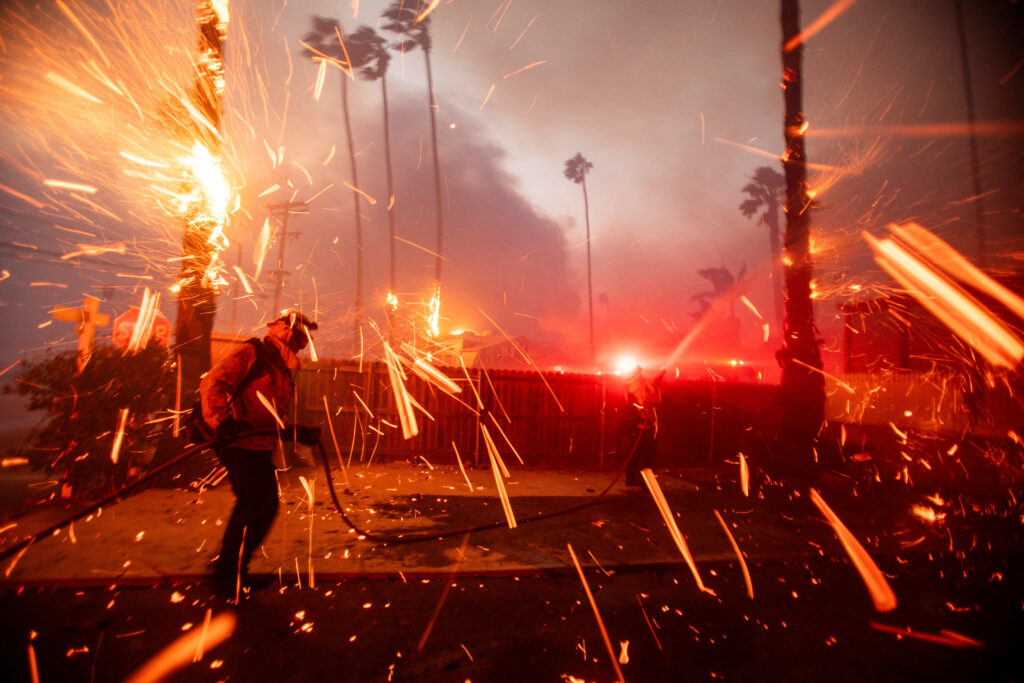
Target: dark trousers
{"type": "Point", "coordinates": [643, 456]}
{"type": "Point", "coordinates": [254, 483]}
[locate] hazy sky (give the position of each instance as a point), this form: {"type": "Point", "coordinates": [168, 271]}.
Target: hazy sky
{"type": "Point", "coordinates": [670, 101]}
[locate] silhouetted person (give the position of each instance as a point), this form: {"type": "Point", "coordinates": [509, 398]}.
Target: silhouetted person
{"type": "Point", "coordinates": [642, 399]}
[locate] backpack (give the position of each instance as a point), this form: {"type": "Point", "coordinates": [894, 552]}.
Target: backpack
{"type": "Point", "coordinates": [196, 429]}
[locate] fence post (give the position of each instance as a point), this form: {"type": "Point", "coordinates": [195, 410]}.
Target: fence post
{"type": "Point", "coordinates": [711, 439]}
{"type": "Point", "coordinates": [604, 405]}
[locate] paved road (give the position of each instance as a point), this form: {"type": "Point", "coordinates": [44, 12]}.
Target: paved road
{"type": "Point", "coordinates": [100, 607]}
{"type": "Point", "coordinates": [809, 621]}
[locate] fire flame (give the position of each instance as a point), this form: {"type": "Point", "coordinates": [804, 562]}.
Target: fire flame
{"type": "Point", "coordinates": [434, 312]}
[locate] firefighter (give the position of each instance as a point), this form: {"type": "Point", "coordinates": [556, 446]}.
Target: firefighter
{"type": "Point", "coordinates": [642, 399]}
{"type": "Point", "coordinates": [234, 396]}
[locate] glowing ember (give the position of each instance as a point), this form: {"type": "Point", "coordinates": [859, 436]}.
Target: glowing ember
{"type": "Point", "coordinates": [949, 302]}
{"type": "Point", "coordinates": [670, 522]}
{"type": "Point", "coordinates": [597, 614]}
{"type": "Point", "coordinates": [928, 514]}
{"type": "Point", "coordinates": [739, 556]}
{"type": "Point", "coordinates": [184, 650]}
{"type": "Point", "coordinates": [881, 594]}
{"type": "Point", "coordinates": [122, 420]}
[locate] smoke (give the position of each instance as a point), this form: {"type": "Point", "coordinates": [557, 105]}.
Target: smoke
{"type": "Point", "coordinates": [502, 256]}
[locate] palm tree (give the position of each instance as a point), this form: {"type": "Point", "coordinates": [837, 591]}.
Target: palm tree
{"type": "Point", "coordinates": [725, 290]}
{"type": "Point", "coordinates": [766, 191]}
{"type": "Point", "coordinates": [722, 283]}
{"type": "Point", "coordinates": [415, 32]}
{"type": "Point", "coordinates": [323, 42]}
{"type": "Point", "coordinates": [368, 48]}
{"type": "Point", "coordinates": [803, 385]}
{"type": "Point", "coordinates": [576, 170]}
{"type": "Point", "coordinates": [197, 296]}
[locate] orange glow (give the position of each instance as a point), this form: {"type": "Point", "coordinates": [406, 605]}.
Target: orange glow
{"type": "Point", "coordinates": [597, 614]}
{"type": "Point", "coordinates": [66, 185]}
{"type": "Point", "coordinates": [928, 514]}
{"type": "Point", "coordinates": [434, 312]}
{"type": "Point", "coordinates": [670, 522]}
{"type": "Point", "coordinates": [951, 261]}
{"type": "Point", "coordinates": [122, 420]}
{"type": "Point", "coordinates": [625, 364]}
{"type": "Point", "coordinates": [270, 409]}
{"type": "Point", "coordinates": [143, 329]}
{"type": "Point", "coordinates": [356, 189]}
{"type": "Point", "coordinates": [926, 130]}
{"type": "Point", "coordinates": [403, 402]}
{"type": "Point", "coordinates": [949, 302]}
{"type": "Point", "coordinates": [739, 556]}
{"type": "Point", "coordinates": [499, 471]}
{"type": "Point", "coordinates": [334, 440]}
{"type": "Point", "coordinates": [427, 10]}
{"type": "Point", "coordinates": [487, 98]}
{"type": "Point", "coordinates": [777, 157]}
{"type": "Point", "coordinates": [881, 594]}
{"type": "Point", "coordinates": [186, 649]}
{"type": "Point", "coordinates": [524, 68]}
{"type": "Point", "coordinates": [308, 486]}
{"type": "Point", "coordinates": [744, 476]}
{"type": "Point", "coordinates": [320, 77]}
{"type": "Point", "coordinates": [826, 18]}
{"type": "Point", "coordinates": [944, 637]}
{"type": "Point", "coordinates": [462, 468]}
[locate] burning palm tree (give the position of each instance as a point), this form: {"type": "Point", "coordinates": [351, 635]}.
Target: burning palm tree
{"type": "Point", "coordinates": [204, 203]}
{"type": "Point", "coordinates": [766, 192]}
{"type": "Point", "coordinates": [413, 27]}
{"type": "Point", "coordinates": [576, 170]}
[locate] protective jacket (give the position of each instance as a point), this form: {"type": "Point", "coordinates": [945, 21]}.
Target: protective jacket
{"type": "Point", "coordinates": [220, 397]}
{"type": "Point", "coordinates": [642, 399]}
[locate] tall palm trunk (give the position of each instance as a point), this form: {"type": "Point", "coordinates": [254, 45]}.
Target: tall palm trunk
{"type": "Point", "coordinates": [392, 286]}
{"type": "Point", "coordinates": [437, 169]}
{"type": "Point", "coordinates": [590, 286]}
{"type": "Point", "coordinates": [197, 298]}
{"type": "Point", "coordinates": [771, 217]}
{"type": "Point", "coordinates": [358, 322]}
{"type": "Point", "coordinates": [980, 225]}
{"type": "Point", "coordinates": [803, 385]}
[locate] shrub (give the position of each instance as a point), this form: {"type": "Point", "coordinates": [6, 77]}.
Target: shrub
{"type": "Point", "coordinates": [85, 407]}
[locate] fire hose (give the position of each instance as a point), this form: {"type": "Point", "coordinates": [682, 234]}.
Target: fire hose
{"type": "Point", "coordinates": [431, 536]}
{"type": "Point", "coordinates": [119, 495]}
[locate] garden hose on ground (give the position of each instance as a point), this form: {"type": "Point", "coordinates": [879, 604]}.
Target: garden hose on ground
{"type": "Point", "coordinates": [431, 536]}
{"type": "Point", "coordinates": [115, 496]}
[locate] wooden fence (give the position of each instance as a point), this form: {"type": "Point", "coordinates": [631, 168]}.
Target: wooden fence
{"type": "Point", "coordinates": [558, 420]}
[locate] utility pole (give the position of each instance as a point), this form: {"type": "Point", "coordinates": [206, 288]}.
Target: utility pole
{"type": "Point", "coordinates": [281, 212]}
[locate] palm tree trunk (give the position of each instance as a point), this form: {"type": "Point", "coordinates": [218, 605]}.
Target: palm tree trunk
{"type": "Point", "coordinates": [392, 287]}
{"type": "Point", "coordinates": [437, 169]}
{"type": "Point", "coordinates": [358, 322]}
{"type": "Point", "coordinates": [771, 217]}
{"type": "Point", "coordinates": [803, 384]}
{"type": "Point", "coordinates": [590, 286]}
{"type": "Point", "coordinates": [197, 298]}
{"type": "Point", "coordinates": [980, 226]}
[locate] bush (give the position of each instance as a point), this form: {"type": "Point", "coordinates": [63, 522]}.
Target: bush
{"type": "Point", "coordinates": [84, 408]}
